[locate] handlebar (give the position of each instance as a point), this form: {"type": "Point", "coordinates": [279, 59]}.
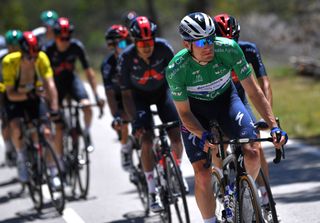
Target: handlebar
{"type": "Point", "coordinates": [81, 106]}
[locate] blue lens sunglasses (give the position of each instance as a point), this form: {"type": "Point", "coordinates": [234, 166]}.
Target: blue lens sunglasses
{"type": "Point", "coordinates": [202, 42]}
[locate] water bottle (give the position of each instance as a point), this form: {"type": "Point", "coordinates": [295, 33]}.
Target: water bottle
{"type": "Point", "coordinates": [228, 203]}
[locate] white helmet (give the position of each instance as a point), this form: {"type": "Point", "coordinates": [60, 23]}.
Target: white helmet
{"type": "Point", "coordinates": [196, 26]}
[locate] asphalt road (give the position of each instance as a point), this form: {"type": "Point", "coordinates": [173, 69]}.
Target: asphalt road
{"type": "Point", "coordinates": [113, 199]}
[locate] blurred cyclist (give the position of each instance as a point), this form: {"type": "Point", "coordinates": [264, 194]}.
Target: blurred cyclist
{"type": "Point", "coordinates": [142, 66]}
{"type": "Point", "coordinates": [116, 37]}
{"type": "Point", "coordinates": [45, 32]}
{"type": "Point", "coordinates": [63, 53]}
{"type": "Point", "coordinates": [12, 38]}
{"type": "Point", "coordinates": [24, 74]}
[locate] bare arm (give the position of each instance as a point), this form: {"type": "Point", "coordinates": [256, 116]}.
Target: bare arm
{"type": "Point", "coordinates": [92, 80]}
{"type": "Point", "coordinates": [259, 100]}
{"type": "Point", "coordinates": [14, 95]}
{"type": "Point", "coordinates": [51, 89]}
{"type": "Point", "coordinates": [188, 119]}
{"type": "Point", "coordinates": [111, 97]}
{"type": "Point", "coordinates": [266, 88]}
{"type": "Point", "coordinates": [128, 103]}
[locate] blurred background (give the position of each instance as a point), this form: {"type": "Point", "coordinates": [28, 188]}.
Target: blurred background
{"type": "Point", "coordinates": [286, 32]}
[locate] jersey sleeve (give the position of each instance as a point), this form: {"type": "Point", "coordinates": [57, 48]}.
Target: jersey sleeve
{"type": "Point", "coordinates": [240, 64]}
{"type": "Point", "coordinates": [8, 72]}
{"type": "Point", "coordinates": [176, 83]}
{"type": "Point", "coordinates": [257, 63]}
{"type": "Point", "coordinates": [124, 72]}
{"type": "Point", "coordinates": [106, 70]}
{"type": "Point", "coordinates": [82, 55]}
{"type": "Point", "coordinates": [44, 67]}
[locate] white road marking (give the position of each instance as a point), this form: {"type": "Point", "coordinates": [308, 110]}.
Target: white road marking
{"type": "Point", "coordinates": [70, 216]}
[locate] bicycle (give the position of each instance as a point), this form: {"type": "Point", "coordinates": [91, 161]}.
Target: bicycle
{"type": "Point", "coordinates": [77, 147]}
{"type": "Point", "coordinates": [37, 166]}
{"type": "Point", "coordinates": [269, 211]}
{"type": "Point", "coordinates": [234, 189]}
{"type": "Point", "coordinates": [168, 177]}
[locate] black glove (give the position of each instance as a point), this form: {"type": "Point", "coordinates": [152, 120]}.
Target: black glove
{"type": "Point", "coordinates": [55, 115]}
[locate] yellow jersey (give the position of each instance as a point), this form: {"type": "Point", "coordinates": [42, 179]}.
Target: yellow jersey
{"type": "Point", "coordinates": [11, 68]}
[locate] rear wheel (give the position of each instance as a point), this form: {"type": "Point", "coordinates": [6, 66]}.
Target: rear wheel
{"type": "Point", "coordinates": [34, 167]}
{"type": "Point", "coordinates": [250, 210]}
{"type": "Point", "coordinates": [56, 191]}
{"type": "Point", "coordinates": [176, 191]}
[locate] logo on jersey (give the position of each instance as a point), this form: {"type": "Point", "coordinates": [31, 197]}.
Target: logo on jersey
{"type": "Point", "coordinates": [150, 74]}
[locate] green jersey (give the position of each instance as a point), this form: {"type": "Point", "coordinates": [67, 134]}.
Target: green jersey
{"type": "Point", "coordinates": [187, 78]}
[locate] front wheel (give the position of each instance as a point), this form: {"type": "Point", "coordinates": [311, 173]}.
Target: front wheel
{"type": "Point", "coordinates": [268, 209]}
{"type": "Point", "coordinates": [81, 166]}
{"type": "Point", "coordinates": [250, 210]}
{"type": "Point", "coordinates": [34, 167]}
{"type": "Point", "coordinates": [176, 190]}
{"type": "Point", "coordinates": [56, 191]}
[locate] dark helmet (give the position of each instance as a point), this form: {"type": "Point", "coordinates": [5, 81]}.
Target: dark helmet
{"type": "Point", "coordinates": [116, 32]}
{"type": "Point", "coordinates": [63, 27]}
{"type": "Point", "coordinates": [142, 28]}
{"type": "Point", "coordinates": [13, 36]}
{"type": "Point", "coordinates": [227, 26]}
{"type": "Point", "coordinates": [48, 17]}
{"type": "Point", "coordinates": [129, 17]}
{"type": "Point", "coordinates": [196, 26]}
{"type": "Point", "coordinates": [29, 44]}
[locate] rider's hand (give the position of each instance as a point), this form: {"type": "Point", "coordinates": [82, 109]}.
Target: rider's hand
{"type": "Point", "coordinates": [279, 136]}
{"type": "Point", "coordinates": [206, 141]}
{"type": "Point", "coordinates": [32, 95]}
{"type": "Point", "coordinates": [100, 102]}
{"type": "Point", "coordinates": [55, 115]}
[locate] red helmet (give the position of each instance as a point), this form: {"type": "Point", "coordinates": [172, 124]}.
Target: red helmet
{"type": "Point", "coordinates": [142, 28]}
{"type": "Point", "coordinates": [227, 26]}
{"type": "Point", "coordinates": [63, 27]}
{"type": "Point", "coordinates": [29, 44]}
{"type": "Point", "coordinates": [116, 32]}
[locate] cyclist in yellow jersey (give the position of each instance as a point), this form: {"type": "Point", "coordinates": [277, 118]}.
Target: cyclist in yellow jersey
{"type": "Point", "coordinates": [24, 74]}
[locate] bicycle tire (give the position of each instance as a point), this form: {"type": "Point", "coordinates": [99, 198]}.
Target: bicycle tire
{"type": "Point", "coordinates": [176, 190]}
{"type": "Point", "coordinates": [218, 191]}
{"type": "Point", "coordinates": [57, 194]}
{"type": "Point", "coordinates": [141, 183]}
{"type": "Point", "coordinates": [34, 168]}
{"type": "Point", "coordinates": [82, 170]}
{"type": "Point", "coordinates": [270, 208]}
{"type": "Point", "coordinates": [249, 205]}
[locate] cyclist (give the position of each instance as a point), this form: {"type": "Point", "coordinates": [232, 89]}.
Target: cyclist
{"type": "Point", "coordinates": [63, 53]}
{"type": "Point", "coordinates": [128, 18]}
{"type": "Point", "coordinates": [228, 26]}
{"type": "Point", "coordinates": [45, 33]}
{"type": "Point", "coordinates": [116, 37]}
{"type": "Point", "coordinates": [202, 90]}
{"type": "Point", "coordinates": [12, 38]}
{"type": "Point", "coordinates": [142, 80]}
{"type": "Point", "coordinates": [24, 74]}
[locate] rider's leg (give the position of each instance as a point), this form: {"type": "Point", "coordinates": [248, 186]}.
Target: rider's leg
{"type": "Point", "coordinates": [87, 114]}
{"type": "Point", "coordinates": [252, 159]}
{"type": "Point", "coordinates": [203, 190]}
